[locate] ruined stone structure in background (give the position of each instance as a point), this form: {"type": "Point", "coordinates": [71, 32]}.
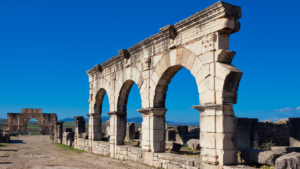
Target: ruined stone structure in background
{"type": "Point", "coordinates": [294, 134]}
{"type": "Point", "coordinates": [247, 132]}
{"type": "Point", "coordinates": [4, 136]}
{"type": "Point", "coordinates": [18, 121]}
{"type": "Point", "coordinates": [58, 131]}
{"type": "Point", "coordinates": [79, 128]}
{"type": "Point", "coordinates": [130, 131]}
{"type": "Point", "coordinates": [199, 43]}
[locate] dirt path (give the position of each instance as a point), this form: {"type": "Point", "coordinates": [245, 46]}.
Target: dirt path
{"type": "Point", "coordinates": [38, 152]}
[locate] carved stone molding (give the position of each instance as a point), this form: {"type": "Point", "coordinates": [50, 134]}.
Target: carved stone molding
{"type": "Point", "coordinates": [146, 63]}
{"type": "Point", "coordinates": [208, 42]}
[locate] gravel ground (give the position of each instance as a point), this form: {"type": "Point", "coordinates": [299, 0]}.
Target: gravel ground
{"type": "Point", "coordinates": [38, 152]}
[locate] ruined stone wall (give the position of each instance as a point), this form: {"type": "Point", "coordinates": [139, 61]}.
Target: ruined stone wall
{"type": "Point", "coordinates": [168, 160]}
{"type": "Point", "coordinates": [68, 138]}
{"type": "Point", "coordinates": [129, 153]}
{"type": "Point", "coordinates": [124, 152]}
{"type": "Point", "coordinates": [277, 132]}
{"type": "Point", "coordinates": [101, 148]}
{"type": "Point", "coordinates": [82, 144]}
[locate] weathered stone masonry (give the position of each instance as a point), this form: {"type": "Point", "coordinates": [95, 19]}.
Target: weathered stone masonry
{"type": "Point", "coordinates": [18, 121]}
{"type": "Point", "coordinates": [199, 43]}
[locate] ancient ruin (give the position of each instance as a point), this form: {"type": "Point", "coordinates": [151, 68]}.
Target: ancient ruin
{"type": "Point", "coordinates": [199, 43]}
{"type": "Point", "coordinates": [18, 121]}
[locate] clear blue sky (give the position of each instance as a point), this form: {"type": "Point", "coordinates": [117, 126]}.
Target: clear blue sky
{"type": "Point", "coordinates": [46, 47]}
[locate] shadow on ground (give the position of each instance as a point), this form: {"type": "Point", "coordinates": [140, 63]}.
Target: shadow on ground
{"type": "Point", "coordinates": [16, 142]}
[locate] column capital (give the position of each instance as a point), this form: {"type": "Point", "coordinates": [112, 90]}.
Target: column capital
{"type": "Point", "coordinates": [118, 113]}
{"type": "Point", "coordinates": [153, 111]}
{"type": "Point", "coordinates": [93, 115]}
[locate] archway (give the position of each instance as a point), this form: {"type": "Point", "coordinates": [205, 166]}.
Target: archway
{"type": "Point", "coordinates": [182, 121]}
{"type": "Point", "coordinates": [18, 121]}
{"type": "Point", "coordinates": [124, 131]}
{"type": "Point", "coordinates": [95, 120]}
{"type": "Point", "coordinates": [32, 127]}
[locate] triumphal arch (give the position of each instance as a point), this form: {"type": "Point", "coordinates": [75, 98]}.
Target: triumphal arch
{"type": "Point", "coordinates": [199, 43]}
{"type": "Point", "coordinates": [18, 121]}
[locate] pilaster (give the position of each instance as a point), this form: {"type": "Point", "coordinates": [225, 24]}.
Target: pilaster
{"type": "Point", "coordinates": [117, 130]}
{"type": "Point", "coordinates": [95, 129]}
{"type": "Point", "coordinates": [153, 127]}
{"type": "Point", "coordinates": [217, 134]}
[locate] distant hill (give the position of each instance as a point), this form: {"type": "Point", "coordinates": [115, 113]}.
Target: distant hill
{"type": "Point", "coordinates": [105, 118]}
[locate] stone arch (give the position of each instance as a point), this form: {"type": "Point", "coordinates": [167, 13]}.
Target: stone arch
{"type": "Point", "coordinates": [124, 83]}
{"type": "Point", "coordinates": [166, 69]}
{"type": "Point", "coordinates": [217, 81]}
{"type": "Point", "coordinates": [18, 121]}
{"type": "Point", "coordinates": [99, 100]}
{"type": "Point", "coordinates": [123, 96]}
{"type": "Point", "coordinates": [100, 88]}
{"type": "Point", "coordinates": [26, 120]}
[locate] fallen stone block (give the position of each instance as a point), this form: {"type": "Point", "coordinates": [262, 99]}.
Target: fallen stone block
{"type": "Point", "coordinates": [194, 144]}
{"type": "Point", "coordinates": [291, 160]}
{"type": "Point", "coordinates": [260, 156]}
{"type": "Point", "coordinates": [171, 146]}
{"type": "Point", "coordinates": [285, 149]}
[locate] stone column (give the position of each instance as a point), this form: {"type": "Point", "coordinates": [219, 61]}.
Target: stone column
{"type": "Point", "coordinates": [130, 131]}
{"type": "Point", "coordinates": [117, 130]}
{"type": "Point", "coordinates": [95, 129]}
{"type": "Point", "coordinates": [217, 134]}
{"type": "Point", "coordinates": [153, 129]}
{"type": "Point", "coordinates": [59, 131]}
{"type": "Point", "coordinates": [79, 128]}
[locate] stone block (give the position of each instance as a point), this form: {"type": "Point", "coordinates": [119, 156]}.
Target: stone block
{"type": "Point", "coordinates": [291, 160]}
{"type": "Point", "coordinates": [260, 156]}
{"type": "Point", "coordinates": [207, 84]}
{"type": "Point", "coordinates": [285, 149]}
{"type": "Point", "coordinates": [157, 123]}
{"type": "Point", "coordinates": [224, 56]}
{"type": "Point", "coordinates": [194, 144]}
{"type": "Point", "coordinates": [196, 67]}
{"type": "Point", "coordinates": [173, 166]}
{"type": "Point", "coordinates": [207, 123]}
{"type": "Point", "coordinates": [202, 74]}
{"type": "Point", "coordinates": [207, 57]}
{"type": "Point", "coordinates": [225, 124]}
{"type": "Point", "coordinates": [172, 146]}
{"type": "Point", "coordinates": [130, 131]}
{"type": "Point", "coordinates": [157, 135]}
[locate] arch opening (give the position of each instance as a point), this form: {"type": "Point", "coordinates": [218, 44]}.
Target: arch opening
{"type": "Point", "coordinates": [163, 85]}
{"type": "Point", "coordinates": [32, 127]}
{"type": "Point", "coordinates": [177, 91]}
{"type": "Point", "coordinates": [100, 124]}
{"type": "Point", "coordinates": [129, 101]}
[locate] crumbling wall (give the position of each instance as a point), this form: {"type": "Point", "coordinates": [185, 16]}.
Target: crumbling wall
{"type": "Point", "coordinates": [168, 160]}
{"type": "Point", "coordinates": [82, 144]}
{"type": "Point", "coordinates": [124, 152]}
{"type": "Point", "coordinates": [277, 132]}
{"type": "Point", "coordinates": [101, 148]}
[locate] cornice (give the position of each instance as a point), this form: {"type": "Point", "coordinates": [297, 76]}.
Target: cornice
{"type": "Point", "coordinates": [215, 11]}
